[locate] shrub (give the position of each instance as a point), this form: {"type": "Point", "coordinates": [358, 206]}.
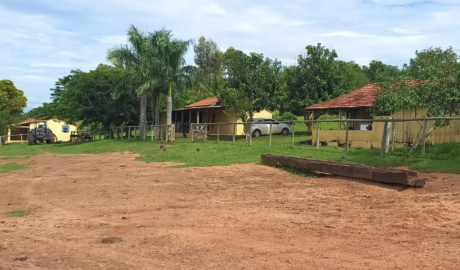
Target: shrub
{"type": "Point", "coordinates": [287, 116]}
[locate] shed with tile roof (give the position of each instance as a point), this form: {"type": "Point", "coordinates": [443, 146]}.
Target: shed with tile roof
{"type": "Point", "coordinates": [208, 110]}
{"type": "Point", "coordinates": [356, 105]}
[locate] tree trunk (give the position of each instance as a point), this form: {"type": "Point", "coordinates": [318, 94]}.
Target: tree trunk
{"type": "Point", "coordinates": [420, 139]}
{"type": "Point", "coordinates": [143, 117]}
{"type": "Point", "coordinates": [169, 111]}
{"type": "Point", "coordinates": [153, 109]}
{"type": "Point", "coordinates": [248, 127]}
{"type": "Point", "coordinates": [157, 116]}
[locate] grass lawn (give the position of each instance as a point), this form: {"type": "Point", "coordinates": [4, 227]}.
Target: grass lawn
{"type": "Point", "coordinates": [439, 158]}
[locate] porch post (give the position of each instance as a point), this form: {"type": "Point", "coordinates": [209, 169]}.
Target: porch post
{"type": "Point", "coordinates": [182, 120]}
{"type": "Point", "coordinates": [190, 122]}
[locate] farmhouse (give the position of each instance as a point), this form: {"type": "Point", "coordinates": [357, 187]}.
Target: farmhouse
{"type": "Point", "coordinates": [59, 128]}
{"type": "Point", "coordinates": [356, 105]}
{"type": "Point", "coordinates": [207, 111]}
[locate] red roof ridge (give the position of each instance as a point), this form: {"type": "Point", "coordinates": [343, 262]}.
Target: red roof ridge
{"type": "Point", "coordinates": [212, 101]}
{"type": "Point", "coordinates": [361, 97]}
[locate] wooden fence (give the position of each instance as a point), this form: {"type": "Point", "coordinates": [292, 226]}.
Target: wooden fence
{"type": "Point", "coordinates": [126, 132]}
{"type": "Point", "coordinates": [387, 134]}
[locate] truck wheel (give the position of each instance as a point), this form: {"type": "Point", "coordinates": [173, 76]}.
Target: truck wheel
{"type": "Point", "coordinates": [31, 139]}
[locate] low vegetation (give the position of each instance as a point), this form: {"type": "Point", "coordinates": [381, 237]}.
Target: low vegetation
{"type": "Point", "coordinates": [8, 167]}
{"type": "Point", "coordinates": [15, 213]}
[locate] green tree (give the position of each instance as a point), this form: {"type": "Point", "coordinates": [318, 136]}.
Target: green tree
{"type": "Point", "coordinates": [437, 87]}
{"type": "Point", "coordinates": [169, 53]}
{"type": "Point", "coordinates": [252, 80]}
{"type": "Point", "coordinates": [315, 79]}
{"type": "Point", "coordinates": [140, 60]}
{"type": "Point", "coordinates": [350, 76]}
{"type": "Point", "coordinates": [208, 57]}
{"type": "Point", "coordinates": [12, 103]}
{"type": "Point", "coordinates": [208, 77]}
{"type": "Point", "coordinates": [12, 99]}
{"type": "Point", "coordinates": [378, 72]}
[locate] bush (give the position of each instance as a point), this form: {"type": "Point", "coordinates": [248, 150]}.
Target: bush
{"type": "Point", "coordinates": [287, 116]}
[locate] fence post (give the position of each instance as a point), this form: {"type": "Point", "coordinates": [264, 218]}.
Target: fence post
{"type": "Point", "coordinates": [317, 134]}
{"type": "Point", "coordinates": [205, 131]}
{"type": "Point", "coordinates": [346, 135]}
{"type": "Point", "coordinates": [21, 138]}
{"type": "Point", "coordinates": [425, 126]}
{"type": "Point", "coordinates": [250, 134]}
{"type": "Point", "coordinates": [135, 133]}
{"type": "Point", "coordinates": [270, 137]}
{"type": "Point", "coordinates": [218, 132]}
{"type": "Point", "coordinates": [129, 132]}
{"type": "Point", "coordinates": [293, 134]}
{"type": "Point", "coordinates": [153, 131]}
{"type": "Point", "coordinates": [393, 139]}
{"type": "Point", "coordinates": [385, 138]}
{"type": "Point", "coordinates": [145, 132]}
{"type": "Point", "coordinates": [0, 140]}
{"type": "Point", "coordinates": [191, 131]}
{"type": "Point", "coordinates": [167, 131]}
{"type": "Point", "coordinates": [234, 133]}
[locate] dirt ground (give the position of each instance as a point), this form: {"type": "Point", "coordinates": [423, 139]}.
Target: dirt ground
{"type": "Point", "coordinates": [234, 217]}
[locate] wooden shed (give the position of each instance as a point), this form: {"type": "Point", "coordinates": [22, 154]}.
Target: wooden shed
{"type": "Point", "coordinates": [356, 105]}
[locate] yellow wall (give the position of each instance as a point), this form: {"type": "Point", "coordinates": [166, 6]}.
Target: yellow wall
{"type": "Point", "coordinates": [219, 116]}
{"type": "Point", "coordinates": [405, 132]}
{"type": "Point", "coordinates": [261, 114]}
{"type": "Point", "coordinates": [409, 131]}
{"type": "Point", "coordinates": [56, 126]}
{"type": "Point", "coordinates": [356, 138]}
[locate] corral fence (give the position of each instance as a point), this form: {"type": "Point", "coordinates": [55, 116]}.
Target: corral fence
{"type": "Point", "coordinates": [17, 137]}
{"type": "Point", "coordinates": [379, 133]}
{"type": "Point", "coordinates": [165, 132]}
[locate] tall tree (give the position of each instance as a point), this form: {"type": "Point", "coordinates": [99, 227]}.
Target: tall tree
{"type": "Point", "coordinates": [378, 72]}
{"type": "Point", "coordinates": [12, 99]}
{"type": "Point", "coordinates": [208, 57]}
{"type": "Point", "coordinates": [169, 53]}
{"type": "Point", "coordinates": [350, 76]}
{"type": "Point", "coordinates": [85, 97]}
{"type": "Point", "coordinates": [252, 81]}
{"type": "Point", "coordinates": [140, 61]}
{"type": "Point", "coordinates": [12, 103]}
{"type": "Point", "coordinates": [437, 87]}
{"type": "Point", "coordinates": [315, 80]}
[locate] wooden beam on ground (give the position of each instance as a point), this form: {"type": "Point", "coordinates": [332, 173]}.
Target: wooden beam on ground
{"type": "Point", "coordinates": [381, 175]}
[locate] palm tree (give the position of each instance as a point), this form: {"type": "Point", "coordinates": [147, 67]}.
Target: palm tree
{"type": "Point", "coordinates": [140, 62]}
{"type": "Point", "coordinates": [170, 53]}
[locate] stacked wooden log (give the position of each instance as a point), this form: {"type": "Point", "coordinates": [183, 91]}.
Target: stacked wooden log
{"type": "Point", "coordinates": [381, 175]}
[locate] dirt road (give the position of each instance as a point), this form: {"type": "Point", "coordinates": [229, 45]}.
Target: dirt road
{"type": "Point", "coordinates": [234, 217]}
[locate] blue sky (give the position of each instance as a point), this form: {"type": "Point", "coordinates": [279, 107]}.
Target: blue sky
{"type": "Point", "coordinates": [42, 40]}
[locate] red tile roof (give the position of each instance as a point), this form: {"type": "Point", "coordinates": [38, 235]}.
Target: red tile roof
{"type": "Point", "coordinates": [31, 120]}
{"type": "Point", "coordinates": [212, 101]}
{"type": "Point", "coordinates": [362, 97]}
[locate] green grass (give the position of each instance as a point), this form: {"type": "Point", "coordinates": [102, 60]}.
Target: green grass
{"type": "Point", "coordinates": [15, 213]}
{"type": "Point", "coordinates": [439, 158]}
{"type": "Point", "coordinates": [8, 167]}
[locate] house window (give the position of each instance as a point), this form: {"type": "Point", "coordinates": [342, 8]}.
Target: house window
{"type": "Point", "coordinates": [65, 129]}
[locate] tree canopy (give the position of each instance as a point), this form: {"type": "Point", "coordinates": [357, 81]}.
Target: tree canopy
{"type": "Point", "coordinates": [12, 103]}
{"type": "Point", "coordinates": [86, 97]}
{"type": "Point", "coordinates": [12, 100]}
{"type": "Point", "coordinates": [252, 80]}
